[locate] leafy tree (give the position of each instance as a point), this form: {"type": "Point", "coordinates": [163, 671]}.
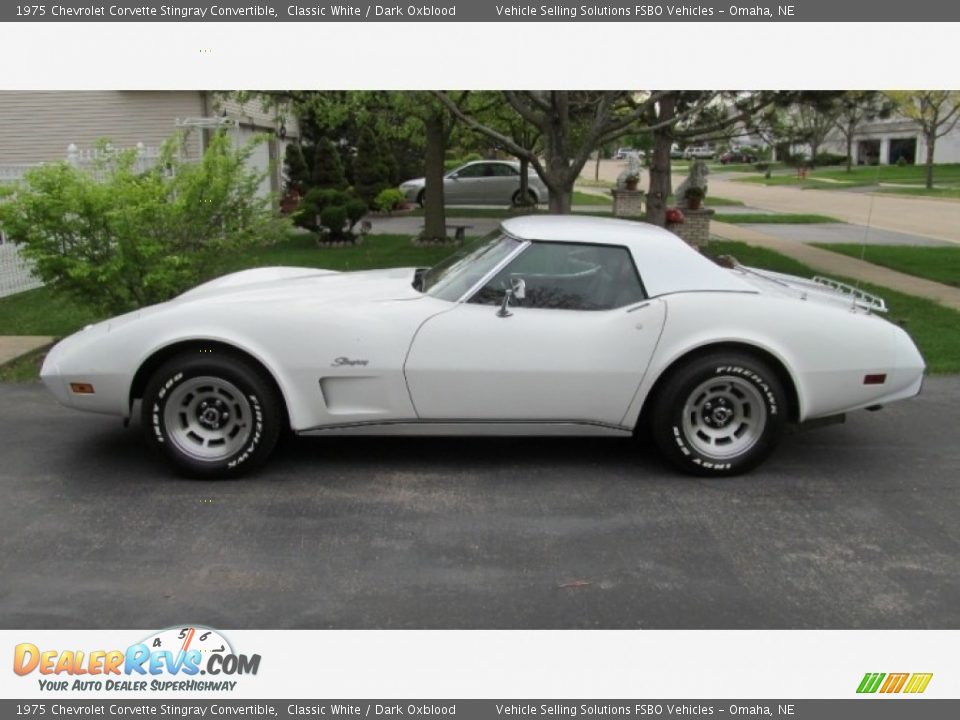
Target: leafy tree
{"type": "Point", "coordinates": [853, 107]}
{"type": "Point", "coordinates": [116, 239]}
{"type": "Point", "coordinates": [415, 124]}
{"type": "Point", "coordinates": [573, 124]}
{"type": "Point", "coordinates": [935, 111]}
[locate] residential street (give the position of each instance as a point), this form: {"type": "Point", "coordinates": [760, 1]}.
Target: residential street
{"type": "Point", "coordinates": [930, 218]}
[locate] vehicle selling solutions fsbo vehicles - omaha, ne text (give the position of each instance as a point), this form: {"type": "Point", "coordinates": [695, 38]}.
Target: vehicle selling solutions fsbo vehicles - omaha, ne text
{"type": "Point", "coordinates": [552, 325]}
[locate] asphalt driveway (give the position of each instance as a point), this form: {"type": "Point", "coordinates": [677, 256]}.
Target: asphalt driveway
{"type": "Point", "coordinates": [852, 526]}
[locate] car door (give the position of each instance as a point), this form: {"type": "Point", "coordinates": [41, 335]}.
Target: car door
{"type": "Point", "coordinates": [574, 349]}
{"type": "Point", "coordinates": [464, 185]}
{"type": "Point", "coordinates": [504, 182]}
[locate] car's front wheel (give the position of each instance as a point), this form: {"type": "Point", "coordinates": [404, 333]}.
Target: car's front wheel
{"type": "Point", "coordinates": [721, 414]}
{"type": "Point", "coordinates": [212, 414]}
{"type": "Point", "coordinates": [422, 198]}
{"type": "Point", "coordinates": [518, 200]}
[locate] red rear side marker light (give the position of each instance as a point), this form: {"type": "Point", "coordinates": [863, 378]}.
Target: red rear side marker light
{"type": "Point", "coordinates": [875, 379]}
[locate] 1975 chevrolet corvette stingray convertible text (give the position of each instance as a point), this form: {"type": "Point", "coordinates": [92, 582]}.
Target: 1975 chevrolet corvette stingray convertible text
{"type": "Point", "coordinates": [549, 326]}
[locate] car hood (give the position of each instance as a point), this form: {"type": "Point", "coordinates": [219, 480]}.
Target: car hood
{"type": "Point", "coordinates": [287, 284]}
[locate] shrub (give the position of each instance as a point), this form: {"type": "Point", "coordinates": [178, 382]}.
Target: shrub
{"type": "Point", "coordinates": [389, 199]}
{"type": "Point", "coordinates": [327, 168]}
{"type": "Point", "coordinates": [826, 158]}
{"type": "Point", "coordinates": [371, 172]}
{"type": "Point", "coordinates": [334, 218]}
{"type": "Point", "coordinates": [116, 239]}
{"type": "Point", "coordinates": [356, 209]}
{"type": "Point", "coordinates": [324, 207]}
{"type": "Point", "coordinates": [295, 168]}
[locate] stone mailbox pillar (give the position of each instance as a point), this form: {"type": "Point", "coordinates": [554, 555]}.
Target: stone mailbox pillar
{"type": "Point", "coordinates": [695, 229]}
{"type": "Point", "coordinates": [627, 203]}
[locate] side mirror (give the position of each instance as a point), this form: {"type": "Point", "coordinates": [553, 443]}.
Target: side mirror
{"type": "Point", "coordinates": [453, 176]}
{"type": "Point", "coordinates": [517, 289]}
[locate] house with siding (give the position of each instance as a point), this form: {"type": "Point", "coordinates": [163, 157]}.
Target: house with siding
{"type": "Point", "coordinates": [40, 126]}
{"type": "Point", "coordinates": [885, 141]}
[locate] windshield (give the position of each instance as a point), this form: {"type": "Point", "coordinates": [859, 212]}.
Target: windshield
{"type": "Point", "coordinates": [454, 276]}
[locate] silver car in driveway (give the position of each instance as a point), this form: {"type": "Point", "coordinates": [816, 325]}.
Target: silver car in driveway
{"type": "Point", "coordinates": [484, 182]}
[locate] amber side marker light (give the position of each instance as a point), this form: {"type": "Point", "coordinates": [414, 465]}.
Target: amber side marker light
{"type": "Point", "coordinates": [875, 379]}
{"type": "Point", "coordinates": [82, 388]}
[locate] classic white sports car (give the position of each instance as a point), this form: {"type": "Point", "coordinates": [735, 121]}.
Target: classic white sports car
{"type": "Point", "coordinates": [550, 326]}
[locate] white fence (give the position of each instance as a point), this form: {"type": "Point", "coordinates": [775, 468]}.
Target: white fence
{"type": "Point", "coordinates": [15, 272]}
{"type": "Point", "coordinates": [15, 275]}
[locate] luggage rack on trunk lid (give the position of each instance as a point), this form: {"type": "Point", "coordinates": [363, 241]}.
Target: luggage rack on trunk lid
{"type": "Point", "coordinates": [858, 297]}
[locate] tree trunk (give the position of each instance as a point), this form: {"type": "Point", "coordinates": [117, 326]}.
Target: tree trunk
{"type": "Point", "coordinates": [850, 151]}
{"type": "Point", "coordinates": [561, 201]}
{"type": "Point", "coordinates": [524, 180]}
{"type": "Point", "coordinates": [931, 144]}
{"type": "Point", "coordinates": [434, 216]}
{"type": "Point", "coordinates": [596, 169]}
{"type": "Point", "coordinates": [660, 166]}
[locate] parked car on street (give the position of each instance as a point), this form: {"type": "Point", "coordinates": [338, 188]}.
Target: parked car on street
{"type": "Point", "coordinates": [482, 182]}
{"type": "Point", "coordinates": [628, 152]}
{"type": "Point", "coordinates": [699, 152]}
{"type": "Point", "coordinates": [738, 156]}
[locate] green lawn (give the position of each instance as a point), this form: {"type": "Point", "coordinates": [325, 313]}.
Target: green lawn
{"type": "Point", "coordinates": [935, 328]}
{"type": "Point", "coordinates": [940, 264]}
{"type": "Point", "coordinates": [774, 218]}
{"type": "Point", "coordinates": [41, 312]}
{"type": "Point", "coordinates": [582, 198]}
{"type": "Point", "coordinates": [838, 178]}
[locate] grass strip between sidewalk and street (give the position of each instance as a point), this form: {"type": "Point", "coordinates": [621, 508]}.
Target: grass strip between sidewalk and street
{"type": "Point", "coordinates": [775, 218]}
{"type": "Point", "coordinates": [940, 264]}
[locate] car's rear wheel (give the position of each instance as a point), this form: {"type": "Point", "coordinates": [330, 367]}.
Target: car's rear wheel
{"type": "Point", "coordinates": [422, 198]}
{"type": "Point", "coordinates": [213, 415]}
{"type": "Point", "coordinates": [721, 414]}
{"type": "Point", "coordinates": [518, 200]}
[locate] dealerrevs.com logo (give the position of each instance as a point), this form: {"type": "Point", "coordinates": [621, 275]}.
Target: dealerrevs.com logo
{"type": "Point", "coordinates": [894, 683]}
{"type": "Point", "coordinates": [176, 659]}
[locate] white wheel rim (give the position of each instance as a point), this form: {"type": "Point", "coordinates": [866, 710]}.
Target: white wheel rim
{"type": "Point", "coordinates": [724, 417]}
{"type": "Point", "coordinates": [207, 418]}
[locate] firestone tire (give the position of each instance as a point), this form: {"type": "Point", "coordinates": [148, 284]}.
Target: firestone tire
{"type": "Point", "coordinates": [212, 415]}
{"type": "Point", "coordinates": [719, 415]}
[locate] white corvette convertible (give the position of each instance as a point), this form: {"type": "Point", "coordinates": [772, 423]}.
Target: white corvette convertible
{"type": "Point", "coordinates": [549, 326]}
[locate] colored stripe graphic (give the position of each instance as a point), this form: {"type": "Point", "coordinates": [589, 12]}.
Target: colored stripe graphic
{"type": "Point", "coordinates": [894, 683]}
{"type": "Point", "coordinates": [870, 682]}
{"type": "Point", "coordinates": [918, 682]}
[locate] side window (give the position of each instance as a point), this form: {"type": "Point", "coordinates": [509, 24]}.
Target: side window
{"type": "Point", "coordinates": [473, 171]}
{"type": "Point", "coordinates": [568, 276]}
{"type": "Point", "coordinates": [503, 170]}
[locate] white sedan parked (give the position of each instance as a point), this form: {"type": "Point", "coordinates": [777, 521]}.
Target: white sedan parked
{"type": "Point", "coordinates": [550, 326]}
{"type": "Point", "coordinates": [484, 182]}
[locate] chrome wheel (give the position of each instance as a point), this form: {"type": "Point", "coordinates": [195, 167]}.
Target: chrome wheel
{"type": "Point", "coordinates": [207, 418]}
{"type": "Point", "coordinates": [724, 417]}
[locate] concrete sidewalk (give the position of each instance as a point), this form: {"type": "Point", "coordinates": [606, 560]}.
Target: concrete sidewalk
{"type": "Point", "coordinates": [835, 264]}
{"type": "Point", "coordinates": [13, 346]}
